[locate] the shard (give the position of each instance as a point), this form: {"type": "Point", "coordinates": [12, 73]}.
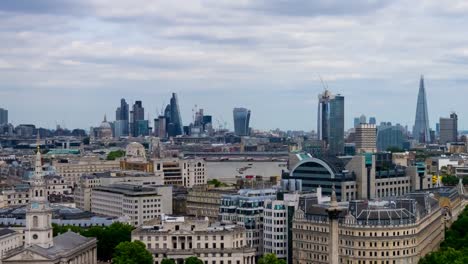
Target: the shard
{"type": "Point", "coordinates": [421, 129]}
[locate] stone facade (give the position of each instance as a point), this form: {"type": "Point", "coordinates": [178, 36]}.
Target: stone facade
{"type": "Point", "coordinates": [182, 237]}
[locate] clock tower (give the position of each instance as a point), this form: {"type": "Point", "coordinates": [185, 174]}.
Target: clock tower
{"type": "Point", "coordinates": [38, 213]}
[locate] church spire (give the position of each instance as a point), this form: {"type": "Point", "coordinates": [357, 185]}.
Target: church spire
{"type": "Point", "coordinates": [38, 173]}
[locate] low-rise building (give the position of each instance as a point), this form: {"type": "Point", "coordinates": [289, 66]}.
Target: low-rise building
{"type": "Point", "coordinates": [205, 200]}
{"type": "Point", "coordinates": [73, 169]}
{"type": "Point", "coordinates": [139, 203]}
{"type": "Point", "coordinates": [9, 240]}
{"type": "Point", "coordinates": [82, 193]}
{"type": "Point", "coordinates": [181, 237]}
{"type": "Point", "coordinates": [246, 209]}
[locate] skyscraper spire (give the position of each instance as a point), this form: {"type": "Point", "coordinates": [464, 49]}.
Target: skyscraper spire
{"type": "Point", "coordinates": [421, 124]}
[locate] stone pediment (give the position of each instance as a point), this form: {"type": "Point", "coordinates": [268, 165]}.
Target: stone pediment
{"type": "Point", "coordinates": [25, 255]}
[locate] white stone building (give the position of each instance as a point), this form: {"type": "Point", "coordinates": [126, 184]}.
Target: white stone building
{"type": "Point", "coordinates": [138, 202]}
{"type": "Point", "coordinates": [181, 237]}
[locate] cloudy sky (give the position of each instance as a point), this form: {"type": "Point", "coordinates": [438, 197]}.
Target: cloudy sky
{"type": "Point", "coordinates": [69, 62]}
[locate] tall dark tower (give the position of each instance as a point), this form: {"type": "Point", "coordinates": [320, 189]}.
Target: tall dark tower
{"type": "Point", "coordinates": [421, 131]}
{"type": "Point", "coordinates": [330, 122]}
{"type": "Point", "coordinates": [122, 119]}
{"type": "Point", "coordinates": [175, 115]}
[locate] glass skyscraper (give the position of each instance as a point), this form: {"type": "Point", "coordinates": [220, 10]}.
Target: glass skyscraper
{"type": "Point", "coordinates": [173, 118]}
{"type": "Point", "coordinates": [421, 131]}
{"type": "Point", "coordinates": [241, 121]}
{"type": "Point", "coordinates": [330, 122]}
{"type": "Point", "coordinates": [3, 116]}
{"type": "Point", "coordinates": [122, 120]}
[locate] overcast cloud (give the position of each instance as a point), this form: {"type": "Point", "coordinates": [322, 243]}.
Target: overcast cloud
{"type": "Point", "coordinates": [70, 62]}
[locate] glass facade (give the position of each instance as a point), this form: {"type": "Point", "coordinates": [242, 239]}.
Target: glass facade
{"type": "Point", "coordinates": [241, 121]}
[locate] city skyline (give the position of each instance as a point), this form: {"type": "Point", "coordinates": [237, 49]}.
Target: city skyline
{"type": "Point", "coordinates": [222, 55]}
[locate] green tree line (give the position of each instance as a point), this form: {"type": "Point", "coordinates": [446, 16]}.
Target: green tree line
{"type": "Point", "coordinates": [454, 249]}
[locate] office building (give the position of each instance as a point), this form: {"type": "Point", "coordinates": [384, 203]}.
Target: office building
{"type": "Point", "coordinates": [73, 169]}
{"type": "Point", "coordinates": [364, 176]}
{"type": "Point", "coordinates": [356, 121]}
{"type": "Point", "coordinates": [241, 121]}
{"type": "Point", "coordinates": [366, 138]}
{"type": "Point", "coordinates": [181, 172]}
{"type": "Point", "coordinates": [449, 129]}
{"type": "Point", "coordinates": [246, 209]}
{"type": "Point", "coordinates": [122, 120]}
{"type": "Point", "coordinates": [389, 136]}
{"type": "Point", "coordinates": [139, 203]}
{"type": "Point", "coordinates": [395, 231]}
{"type": "Point", "coordinates": [139, 126]}
{"type": "Point", "coordinates": [181, 237]}
{"type": "Point", "coordinates": [205, 200]}
{"type": "Point", "coordinates": [83, 191]}
{"type": "Point", "coordinates": [421, 130]}
{"type": "Point", "coordinates": [372, 120]}
{"type": "Point", "coordinates": [160, 127]}
{"type": "Point", "coordinates": [173, 119]}
{"type": "Point", "coordinates": [330, 119]}
{"type": "Point", "coordinates": [3, 116]}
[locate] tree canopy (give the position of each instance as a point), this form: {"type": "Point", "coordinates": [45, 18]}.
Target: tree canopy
{"type": "Point", "coordinates": [108, 237]}
{"type": "Point", "coordinates": [454, 249]}
{"type": "Point", "coordinates": [450, 180]}
{"type": "Point", "coordinates": [193, 260]}
{"type": "Point", "coordinates": [271, 259]}
{"type": "Point", "coordinates": [217, 183]}
{"type": "Point", "coordinates": [115, 154]}
{"type": "Point", "coordinates": [168, 261]}
{"type": "Point", "coordinates": [132, 253]}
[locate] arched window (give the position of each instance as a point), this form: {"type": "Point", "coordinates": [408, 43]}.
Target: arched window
{"type": "Point", "coordinates": [35, 221]}
{"type": "Point", "coordinates": [41, 193]}
{"type": "Point", "coordinates": [36, 193]}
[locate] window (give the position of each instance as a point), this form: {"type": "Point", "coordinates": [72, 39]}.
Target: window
{"type": "Point", "coordinates": [35, 221]}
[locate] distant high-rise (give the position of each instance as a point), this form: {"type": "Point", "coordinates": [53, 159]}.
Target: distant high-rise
{"type": "Point", "coordinates": [356, 122]}
{"type": "Point", "coordinates": [372, 120]}
{"type": "Point", "coordinates": [176, 119]}
{"type": "Point", "coordinates": [173, 118]}
{"type": "Point", "coordinates": [122, 120]}
{"type": "Point", "coordinates": [137, 118]}
{"type": "Point", "coordinates": [389, 135]}
{"type": "Point", "coordinates": [330, 121]}
{"type": "Point", "coordinates": [241, 121]}
{"type": "Point", "coordinates": [3, 116]}
{"type": "Point", "coordinates": [449, 129]}
{"type": "Point", "coordinates": [366, 138]}
{"type": "Point", "coordinates": [421, 131]}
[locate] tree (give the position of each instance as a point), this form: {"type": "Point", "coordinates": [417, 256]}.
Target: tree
{"type": "Point", "coordinates": [450, 180]}
{"type": "Point", "coordinates": [193, 260]}
{"type": "Point", "coordinates": [454, 249]}
{"type": "Point", "coordinates": [394, 149]}
{"type": "Point", "coordinates": [168, 261]}
{"type": "Point", "coordinates": [132, 253]}
{"type": "Point", "coordinates": [216, 183]}
{"type": "Point", "coordinates": [86, 141]}
{"type": "Point", "coordinates": [115, 154]}
{"type": "Point", "coordinates": [108, 237]}
{"type": "Point", "coordinates": [271, 259]}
